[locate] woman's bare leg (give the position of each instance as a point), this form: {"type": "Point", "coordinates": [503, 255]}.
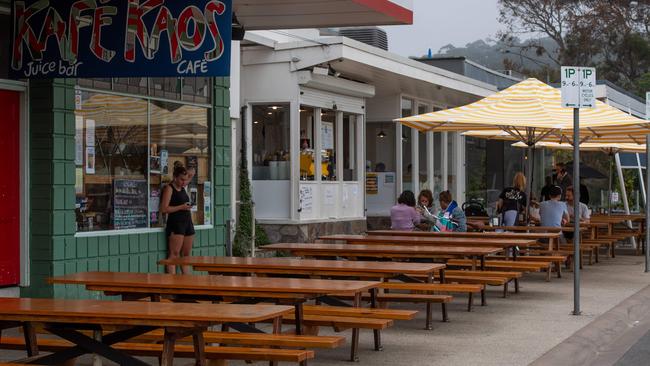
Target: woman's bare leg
{"type": "Point", "coordinates": [186, 251]}
{"type": "Point", "coordinates": [175, 243]}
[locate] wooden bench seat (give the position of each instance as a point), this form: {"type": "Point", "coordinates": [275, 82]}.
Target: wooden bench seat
{"type": "Point", "coordinates": [376, 313]}
{"type": "Point", "coordinates": [258, 339]}
{"type": "Point", "coordinates": [180, 350]}
{"type": "Point", "coordinates": [506, 266]}
{"type": "Point", "coordinates": [557, 260]}
{"type": "Point", "coordinates": [446, 288]}
{"type": "Point", "coordinates": [339, 323]}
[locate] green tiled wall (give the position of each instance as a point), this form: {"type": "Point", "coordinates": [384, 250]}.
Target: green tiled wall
{"type": "Point", "coordinates": [54, 250]}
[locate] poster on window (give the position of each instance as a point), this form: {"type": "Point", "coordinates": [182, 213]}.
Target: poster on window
{"type": "Point", "coordinates": [193, 162]}
{"type": "Point", "coordinates": [194, 195]}
{"type": "Point", "coordinates": [90, 132]}
{"type": "Point", "coordinates": [90, 160]}
{"type": "Point", "coordinates": [207, 210]}
{"type": "Point", "coordinates": [119, 38]}
{"type": "Point", "coordinates": [327, 135]}
{"type": "Point", "coordinates": [154, 206]}
{"type": "Point", "coordinates": [79, 141]}
{"type": "Point", "coordinates": [306, 197]}
{"type": "Point", "coordinates": [164, 158]}
{"type": "Point", "coordinates": [329, 198]}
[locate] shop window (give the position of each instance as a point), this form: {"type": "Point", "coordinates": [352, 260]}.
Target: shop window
{"type": "Point", "coordinates": [4, 45]}
{"type": "Point", "coordinates": [423, 157]}
{"type": "Point", "coordinates": [131, 85]}
{"type": "Point", "coordinates": [328, 144]}
{"type": "Point", "coordinates": [179, 134]}
{"type": "Point", "coordinates": [168, 88]}
{"type": "Point", "coordinates": [350, 169]}
{"type": "Point", "coordinates": [307, 167]}
{"type": "Point", "coordinates": [125, 149]}
{"type": "Point", "coordinates": [271, 142]}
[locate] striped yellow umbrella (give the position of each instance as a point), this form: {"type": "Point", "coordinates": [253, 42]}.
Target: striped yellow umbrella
{"type": "Point", "coordinates": [608, 148]}
{"type": "Point", "coordinates": [531, 111]}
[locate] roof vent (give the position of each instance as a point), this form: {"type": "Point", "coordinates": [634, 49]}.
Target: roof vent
{"type": "Point", "coordinates": [373, 36]}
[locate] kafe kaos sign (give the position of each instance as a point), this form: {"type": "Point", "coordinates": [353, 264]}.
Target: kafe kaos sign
{"type": "Point", "coordinates": [120, 38]}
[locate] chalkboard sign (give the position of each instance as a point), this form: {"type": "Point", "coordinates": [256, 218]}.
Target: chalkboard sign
{"type": "Point", "coordinates": [129, 203]}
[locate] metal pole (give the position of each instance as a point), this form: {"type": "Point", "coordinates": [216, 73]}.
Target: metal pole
{"type": "Point", "coordinates": [576, 211]}
{"type": "Point", "coordinates": [647, 205]}
{"type": "Point", "coordinates": [609, 188]}
{"type": "Point", "coordinates": [529, 181]}
{"type": "Point", "coordinates": [253, 229]}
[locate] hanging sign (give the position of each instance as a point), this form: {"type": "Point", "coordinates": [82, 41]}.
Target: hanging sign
{"type": "Point", "coordinates": [578, 84]}
{"type": "Point", "coordinates": [120, 38]}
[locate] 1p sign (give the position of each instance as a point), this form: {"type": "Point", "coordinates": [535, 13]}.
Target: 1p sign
{"type": "Point", "coordinates": [120, 38]}
{"type": "Point", "coordinates": [578, 85]}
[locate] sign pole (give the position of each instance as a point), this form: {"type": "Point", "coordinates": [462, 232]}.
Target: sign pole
{"type": "Point", "coordinates": [576, 211]}
{"type": "Point", "coordinates": [647, 186]}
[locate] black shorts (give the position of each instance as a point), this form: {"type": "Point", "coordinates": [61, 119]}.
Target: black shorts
{"type": "Point", "coordinates": [180, 227]}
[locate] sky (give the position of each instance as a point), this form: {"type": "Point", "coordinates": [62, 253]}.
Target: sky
{"type": "Point", "coordinates": [437, 23]}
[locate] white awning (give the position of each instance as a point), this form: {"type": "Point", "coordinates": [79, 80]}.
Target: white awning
{"type": "Point", "coordinates": [286, 14]}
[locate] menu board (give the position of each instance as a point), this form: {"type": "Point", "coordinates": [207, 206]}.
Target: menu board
{"type": "Point", "coordinates": [372, 183]}
{"type": "Point", "coordinates": [129, 203]}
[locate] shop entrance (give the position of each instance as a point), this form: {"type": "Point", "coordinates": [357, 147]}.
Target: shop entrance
{"type": "Point", "coordinates": [10, 189]}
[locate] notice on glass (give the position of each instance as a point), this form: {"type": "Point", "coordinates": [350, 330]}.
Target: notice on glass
{"type": "Point", "coordinates": [194, 195]}
{"type": "Point", "coordinates": [207, 210]}
{"type": "Point", "coordinates": [306, 196]}
{"type": "Point", "coordinates": [154, 206]}
{"type": "Point", "coordinates": [90, 132]}
{"type": "Point", "coordinates": [130, 203]}
{"type": "Point", "coordinates": [90, 160]}
{"type": "Point", "coordinates": [79, 180]}
{"type": "Point", "coordinates": [372, 183]}
{"type": "Point", "coordinates": [164, 158]}
{"type": "Point", "coordinates": [329, 196]}
{"type": "Point", "coordinates": [327, 135]}
{"type": "Point", "coordinates": [79, 141]}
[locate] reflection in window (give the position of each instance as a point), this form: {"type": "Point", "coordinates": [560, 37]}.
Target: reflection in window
{"type": "Point", "coordinates": [328, 144]}
{"type": "Point", "coordinates": [423, 157]}
{"type": "Point", "coordinates": [111, 162]}
{"type": "Point", "coordinates": [4, 45]}
{"type": "Point", "coordinates": [180, 135]}
{"type": "Point", "coordinates": [271, 142]}
{"type": "Point", "coordinates": [476, 160]}
{"type": "Point", "coordinates": [350, 171]}
{"type": "Point", "coordinates": [307, 167]}
{"type": "Point", "coordinates": [119, 173]}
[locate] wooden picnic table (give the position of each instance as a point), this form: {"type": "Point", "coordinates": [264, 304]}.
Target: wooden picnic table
{"type": "Point", "coordinates": [505, 244]}
{"type": "Point", "coordinates": [65, 318]}
{"type": "Point", "coordinates": [384, 251]}
{"type": "Point", "coordinates": [248, 289]}
{"type": "Point", "coordinates": [310, 267]}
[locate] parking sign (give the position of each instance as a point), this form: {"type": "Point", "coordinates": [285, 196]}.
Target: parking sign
{"type": "Point", "coordinates": [578, 85]}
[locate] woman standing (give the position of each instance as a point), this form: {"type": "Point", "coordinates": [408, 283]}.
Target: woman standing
{"type": "Point", "coordinates": [179, 230]}
{"type": "Point", "coordinates": [512, 201]}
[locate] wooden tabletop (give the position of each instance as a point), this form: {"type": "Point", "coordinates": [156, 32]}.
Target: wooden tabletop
{"type": "Point", "coordinates": [403, 251]}
{"type": "Point", "coordinates": [431, 241]}
{"type": "Point", "coordinates": [195, 284]}
{"type": "Point", "coordinates": [134, 312]}
{"type": "Point", "coordinates": [305, 265]}
{"type": "Point", "coordinates": [552, 229]}
{"type": "Point", "coordinates": [469, 234]}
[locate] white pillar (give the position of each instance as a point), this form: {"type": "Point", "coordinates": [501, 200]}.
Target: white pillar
{"type": "Point", "coordinates": [339, 146]}
{"type": "Point", "coordinates": [398, 159]}
{"type": "Point", "coordinates": [431, 176]}
{"type": "Point", "coordinates": [444, 161]}
{"type": "Point", "coordinates": [459, 151]}
{"type": "Point", "coordinates": [415, 160]}
{"type": "Point", "coordinates": [621, 181]}
{"type": "Point", "coordinates": [641, 179]}
{"type": "Point", "coordinates": [294, 155]}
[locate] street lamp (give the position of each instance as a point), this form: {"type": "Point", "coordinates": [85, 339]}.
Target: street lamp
{"type": "Point", "coordinates": [538, 62]}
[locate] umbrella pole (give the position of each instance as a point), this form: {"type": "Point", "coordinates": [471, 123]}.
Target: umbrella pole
{"type": "Point", "coordinates": [609, 187]}
{"type": "Point", "coordinates": [647, 204]}
{"type": "Point", "coordinates": [529, 181]}
{"type": "Point", "coordinates": [576, 211]}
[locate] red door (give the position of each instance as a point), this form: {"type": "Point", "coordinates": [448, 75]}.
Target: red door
{"type": "Point", "coordinates": [10, 188]}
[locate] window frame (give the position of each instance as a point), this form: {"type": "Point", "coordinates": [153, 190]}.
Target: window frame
{"type": "Point", "coordinates": [149, 99]}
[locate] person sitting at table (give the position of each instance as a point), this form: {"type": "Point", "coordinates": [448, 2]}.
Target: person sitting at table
{"type": "Point", "coordinates": [451, 217]}
{"type": "Point", "coordinates": [553, 213]}
{"type": "Point", "coordinates": [548, 184]}
{"type": "Point", "coordinates": [583, 215]}
{"type": "Point", "coordinates": [403, 215]}
{"type": "Point", "coordinates": [533, 210]}
{"type": "Point", "coordinates": [512, 201]}
{"type": "Point", "coordinates": [425, 208]}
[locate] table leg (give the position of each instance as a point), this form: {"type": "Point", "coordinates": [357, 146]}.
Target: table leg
{"type": "Point", "coordinates": [169, 341]}
{"type": "Point", "coordinates": [441, 273]}
{"type": "Point", "coordinates": [376, 332]}
{"type": "Point", "coordinates": [299, 317]}
{"type": "Point", "coordinates": [482, 263]}
{"type": "Point", "coordinates": [473, 263]}
{"type": "Point", "coordinates": [199, 348]}
{"type": "Point", "coordinates": [354, 352]}
{"type": "Point", "coordinates": [30, 339]}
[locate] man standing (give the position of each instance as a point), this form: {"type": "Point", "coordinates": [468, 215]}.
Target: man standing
{"type": "Point", "coordinates": [562, 179]}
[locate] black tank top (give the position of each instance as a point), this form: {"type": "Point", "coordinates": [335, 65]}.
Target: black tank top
{"type": "Point", "coordinates": [178, 198]}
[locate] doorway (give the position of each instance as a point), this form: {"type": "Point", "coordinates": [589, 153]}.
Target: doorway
{"type": "Point", "coordinates": [10, 194]}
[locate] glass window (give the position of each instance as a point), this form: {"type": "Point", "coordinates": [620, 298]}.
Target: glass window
{"type": "Point", "coordinates": [111, 159]}
{"type": "Point", "coordinates": [307, 167]}
{"type": "Point", "coordinates": [328, 144]}
{"type": "Point", "coordinates": [125, 151]}
{"type": "Point", "coordinates": [168, 88]}
{"type": "Point", "coordinates": [380, 146]}
{"type": "Point", "coordinates": [180, 135]}
{"type": "Point", "coordinates": [476, 160]}
{"type": "Point", "coordinates": [271, 142]}
{"type": "Point", "coordinates": [4, 45]}
{"type": "Point", "coordinates": [350, 171]}
{"type": "Point", "coordinates": [452, 162]}
{"type": "Point", "coordinates": [407, 160]}
{"type": "Point", "coordinates": [423, 157]}
{"type": "Point", "coordinates": [437, 164]}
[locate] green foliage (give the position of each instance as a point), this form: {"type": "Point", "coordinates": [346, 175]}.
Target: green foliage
{"type": "Point", "coordinates": [244, 231]}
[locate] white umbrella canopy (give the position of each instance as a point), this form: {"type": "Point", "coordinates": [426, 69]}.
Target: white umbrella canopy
{"type": "Point", "coordinates": [531, 111]}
